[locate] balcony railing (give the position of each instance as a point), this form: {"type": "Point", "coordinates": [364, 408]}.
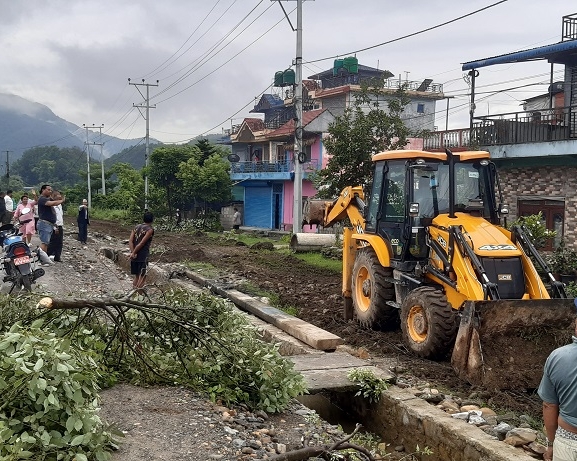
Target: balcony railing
{"type": "Point", "coordinates": [559, 124]}
{"type": "Point", "coordinates": [270, 167]}
{"type": "Point", "coordinates": [356, 79]}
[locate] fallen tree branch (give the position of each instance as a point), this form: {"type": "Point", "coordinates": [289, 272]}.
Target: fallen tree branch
{"type": "Point", "coordinates": [324, 451]}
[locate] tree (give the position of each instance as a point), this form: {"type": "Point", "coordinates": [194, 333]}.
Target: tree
{"type": "Point", "coordinates": [164, 166]}
{"type": "Point", "coordinates": [206, 149]}
{"type": "Point", "coordinates": [365, 128]}
{"type": "Point", "coordinates": [209, 182]}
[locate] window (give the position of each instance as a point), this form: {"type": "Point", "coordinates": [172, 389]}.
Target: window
{"type": "Point", "coordinates": [553, 212]}
{"type": "Point", "coordinates": [281, 156]}
{"type": "Point", "coordinates": [420, 108]}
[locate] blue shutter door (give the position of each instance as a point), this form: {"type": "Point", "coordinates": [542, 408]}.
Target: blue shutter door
{"type": "Point", "coordinates": [258, 207]}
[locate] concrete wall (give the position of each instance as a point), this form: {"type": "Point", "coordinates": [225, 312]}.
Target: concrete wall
{"type": "Point", "coordinates": [401, 418]}
{"type": "Point", "coordinates": [544, 182]}
{"type": "Point", "coordinates": [227, 214]}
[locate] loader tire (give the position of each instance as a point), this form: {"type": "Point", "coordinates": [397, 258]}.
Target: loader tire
{"type": "Point", "coordinates": [371, 291]}
{"type": "Point", "coordinates": [428, 323]}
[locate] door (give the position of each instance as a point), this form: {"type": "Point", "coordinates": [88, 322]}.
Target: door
{"type": "Point", "coordinates": [258, 207]}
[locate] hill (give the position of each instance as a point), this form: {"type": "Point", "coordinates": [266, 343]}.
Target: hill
{"type": "Point", "coordinates": [25, 124]}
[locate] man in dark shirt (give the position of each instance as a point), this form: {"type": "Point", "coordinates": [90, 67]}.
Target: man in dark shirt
{"type": "Point", "coordinates": [46, 215]}
{"type": "Point", "coordinates": [139, 242]}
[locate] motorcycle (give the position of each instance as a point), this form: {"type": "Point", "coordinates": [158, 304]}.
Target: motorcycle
{"type": "Point", "coordinates": [18, 261]}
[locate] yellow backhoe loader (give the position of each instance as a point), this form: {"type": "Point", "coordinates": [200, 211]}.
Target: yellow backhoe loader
{"type": "Point", "coordinates": [427, 247]}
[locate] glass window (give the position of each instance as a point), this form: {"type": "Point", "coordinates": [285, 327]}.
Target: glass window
{"type": "Point", "coordinates": [395, 193]}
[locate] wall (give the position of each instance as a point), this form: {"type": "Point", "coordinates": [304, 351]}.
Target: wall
{"type": "Point", "coordinates": [226, 215]}
{"type": "Point", "coordinates": [544, 182]}
{"type": "Point", "coordinates": [401, 418]}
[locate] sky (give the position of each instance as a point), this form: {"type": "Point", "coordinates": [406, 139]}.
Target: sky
{"type": "Point", "coordinates": [213, 59]}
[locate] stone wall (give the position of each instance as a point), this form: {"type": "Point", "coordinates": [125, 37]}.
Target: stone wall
{"type": "Point", "coordinates": [401, 418]}
{"type": "Point", "coordinates": [545, 182]}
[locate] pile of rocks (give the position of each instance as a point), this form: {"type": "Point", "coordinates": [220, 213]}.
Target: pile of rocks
{"type": "Point", "coordinates": [511, 429]}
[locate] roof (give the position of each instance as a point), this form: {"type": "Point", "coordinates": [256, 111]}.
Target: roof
{"type": "Point", "coordinates": [268, 101]}
{"type": "Point", "coordinates": [362, 70]}
{"type": "Point", "coordinates": [255, 124]}
{"type": "Point", "coordinates": [439, 156]}
{"type": "Point", "coordinates": [557, 53]}
{"type": "Point", "coordinates": [289, 127]}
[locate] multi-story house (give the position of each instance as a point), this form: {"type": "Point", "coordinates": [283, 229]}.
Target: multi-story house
{"type": "Point", "coordinates": [263, 149]}
{"type": "Point", "coordinates": [535, 149]}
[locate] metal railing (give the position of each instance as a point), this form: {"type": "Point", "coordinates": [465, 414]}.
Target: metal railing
{"type": "Point", "coordinates": [356, 79]}
{"type": "Point", "coordinates": [559, 124]}
{"type": "Point", "coordinates": [270, 167]}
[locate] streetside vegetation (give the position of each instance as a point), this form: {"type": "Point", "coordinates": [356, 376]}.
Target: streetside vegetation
{"type": "Point", "coordinates": [54, 360]}
{"type": "Point", "coordinates": [367, 127]}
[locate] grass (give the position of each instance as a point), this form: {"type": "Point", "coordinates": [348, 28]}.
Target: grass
{"type": "Point", "coordinates": [274, 298]}
{"type": "Point", "coordinates": [318, 260]}
{"type": "Point", "coordinates": [205, 269]}
{"type": "Point", "coordinates": [247, 239]}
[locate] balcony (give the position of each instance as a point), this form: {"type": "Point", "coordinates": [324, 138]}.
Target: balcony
{"type": "Point", "coordinates": [269, 170]}
{"type": "Point", "coordinates": [547, 125]}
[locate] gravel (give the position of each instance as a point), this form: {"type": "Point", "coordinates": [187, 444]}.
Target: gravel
{"type": "Point", "coordinates": [172, 422]}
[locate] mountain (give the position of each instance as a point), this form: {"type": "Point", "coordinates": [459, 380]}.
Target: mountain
{"type": "Point", "coordinates": [25, 124]}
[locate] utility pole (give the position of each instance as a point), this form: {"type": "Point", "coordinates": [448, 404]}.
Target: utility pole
{"type": "Point", "coordinates": [299, 156]}
{"type": "Point", "coordinates": [94, 127]}
{"type": "Point", "coordinates": [7, 168]}
{"type": "Point", "coordinates": [88, 167]}
{"type": "Point", "coordinates": [146, 105]}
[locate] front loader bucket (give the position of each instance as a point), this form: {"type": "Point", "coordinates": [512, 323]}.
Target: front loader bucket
{"type": "Point", "coordinates": [504, 344]}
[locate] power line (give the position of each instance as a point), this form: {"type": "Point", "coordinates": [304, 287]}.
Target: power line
{"type": "Point", "coordinates": [409, 35]}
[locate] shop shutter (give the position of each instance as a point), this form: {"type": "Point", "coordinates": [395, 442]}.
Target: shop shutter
{"type": "Point", "coordinates": [258, 207]}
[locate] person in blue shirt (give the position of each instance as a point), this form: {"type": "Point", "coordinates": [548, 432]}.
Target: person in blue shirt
{"type": "Point", "coordinates": [558, 390]}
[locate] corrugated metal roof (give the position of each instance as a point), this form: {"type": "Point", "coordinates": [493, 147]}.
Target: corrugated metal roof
{"type": "Point", "coordinates": [559, 53]}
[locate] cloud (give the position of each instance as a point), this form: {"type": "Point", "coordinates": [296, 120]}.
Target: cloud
{"type": "Point", "coordinates": [76, 57]}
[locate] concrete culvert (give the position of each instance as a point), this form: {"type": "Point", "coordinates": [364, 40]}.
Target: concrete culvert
{"type": "Point", "coordinates": [302, 242]}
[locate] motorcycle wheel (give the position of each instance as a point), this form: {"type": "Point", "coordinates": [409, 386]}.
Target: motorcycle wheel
{"type": "Point", "coordinates": [27, 283]}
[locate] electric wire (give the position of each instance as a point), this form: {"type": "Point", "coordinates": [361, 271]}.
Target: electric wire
{"type": "Point", "coordinates": [166, 63]}
{"type": "Point", "coordinates": [207, 57]}
{"type": "Point", "coordinates": [428, 29]}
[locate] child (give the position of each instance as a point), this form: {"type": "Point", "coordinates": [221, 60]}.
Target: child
{"type": "Point", "coordinates": [140, 240]}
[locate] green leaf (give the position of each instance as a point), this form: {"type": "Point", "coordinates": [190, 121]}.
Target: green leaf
{"type": "Point", "coordinates": [80, 457]}
{"type": "Point", "coordinates": [77, 440]}
{"type": "Point", "coordinates": [39, 364]}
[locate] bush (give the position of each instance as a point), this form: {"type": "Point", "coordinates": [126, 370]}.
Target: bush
{"type": "Point", "coordinates": [537, 231]}
{"type": "Point", "coordinates": [49, 400]}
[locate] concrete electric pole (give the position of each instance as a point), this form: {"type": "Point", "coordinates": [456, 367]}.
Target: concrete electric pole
{"type": "Point", "coordinates": [7, 168]}
{"type": "Point", "coordinates": [146, 105]}
{"type": "Point", "coordinates": [299, 156]}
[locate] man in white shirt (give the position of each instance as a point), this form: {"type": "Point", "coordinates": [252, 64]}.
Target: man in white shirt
{"type": "Point", "coordinates": [57, 239]}
{"type": "Point", "coordinates": [7, 217]}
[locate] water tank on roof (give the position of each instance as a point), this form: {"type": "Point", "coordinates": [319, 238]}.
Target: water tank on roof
{"type": "Point", "coordinates": [278, 78]}
{"type": "Point", "coordinates": [288, 77]}
{"type": "Point", "coordinates": [339, 63]}
{"type": "Point", "coordinates": [351, 63]}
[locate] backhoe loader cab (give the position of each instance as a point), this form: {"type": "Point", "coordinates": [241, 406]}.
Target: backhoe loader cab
{"type": "Point", "coordinates": [428, 250]}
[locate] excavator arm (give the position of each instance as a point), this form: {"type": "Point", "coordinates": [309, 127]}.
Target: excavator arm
{"type": "Point", "coordinates": [349, 205]}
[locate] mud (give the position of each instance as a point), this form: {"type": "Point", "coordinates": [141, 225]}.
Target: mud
{"type": "Point", "coordinates": [316, 295]}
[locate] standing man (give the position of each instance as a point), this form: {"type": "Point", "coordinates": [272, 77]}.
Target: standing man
{"type": "Point", "coordinates": [7, 216]}
{"type": "Point", "coordinates": [57, 239]}
{"type": "Point", "coordinates": [139, 242]}
{"type": "Point", "coordinates": [83, 221]}
{"type": "Point", "coordinates": [2, 207]}
{"type": "Point", "coordinates": [46, 215]}
{"type": "Point", "coordinates": [236, 219]}
{"type": "Point", "coordinates": [558, 390]}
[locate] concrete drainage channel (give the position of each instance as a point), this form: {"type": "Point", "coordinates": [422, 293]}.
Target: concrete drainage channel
{"type": "Point", "coordinates": [399, 417]}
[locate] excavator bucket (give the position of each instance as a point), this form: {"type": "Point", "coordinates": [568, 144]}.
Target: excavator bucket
{"type": "Point", "coordinates": [504, 344]}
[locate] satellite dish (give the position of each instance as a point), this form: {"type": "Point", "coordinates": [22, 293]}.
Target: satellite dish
{"type": "Point", "coordinates": [233, 158]}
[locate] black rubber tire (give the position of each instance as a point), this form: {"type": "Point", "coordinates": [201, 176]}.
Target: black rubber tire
{"type": "Point", "coordinates": [27, 282]}
{"type": "Point", "coordinates": [371, 291]}
{"type": "Point", "coordinates": [428, 323]}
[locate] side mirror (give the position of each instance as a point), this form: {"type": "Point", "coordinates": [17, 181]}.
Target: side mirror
{"type": "Point", "coordinates": [504, 209]}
